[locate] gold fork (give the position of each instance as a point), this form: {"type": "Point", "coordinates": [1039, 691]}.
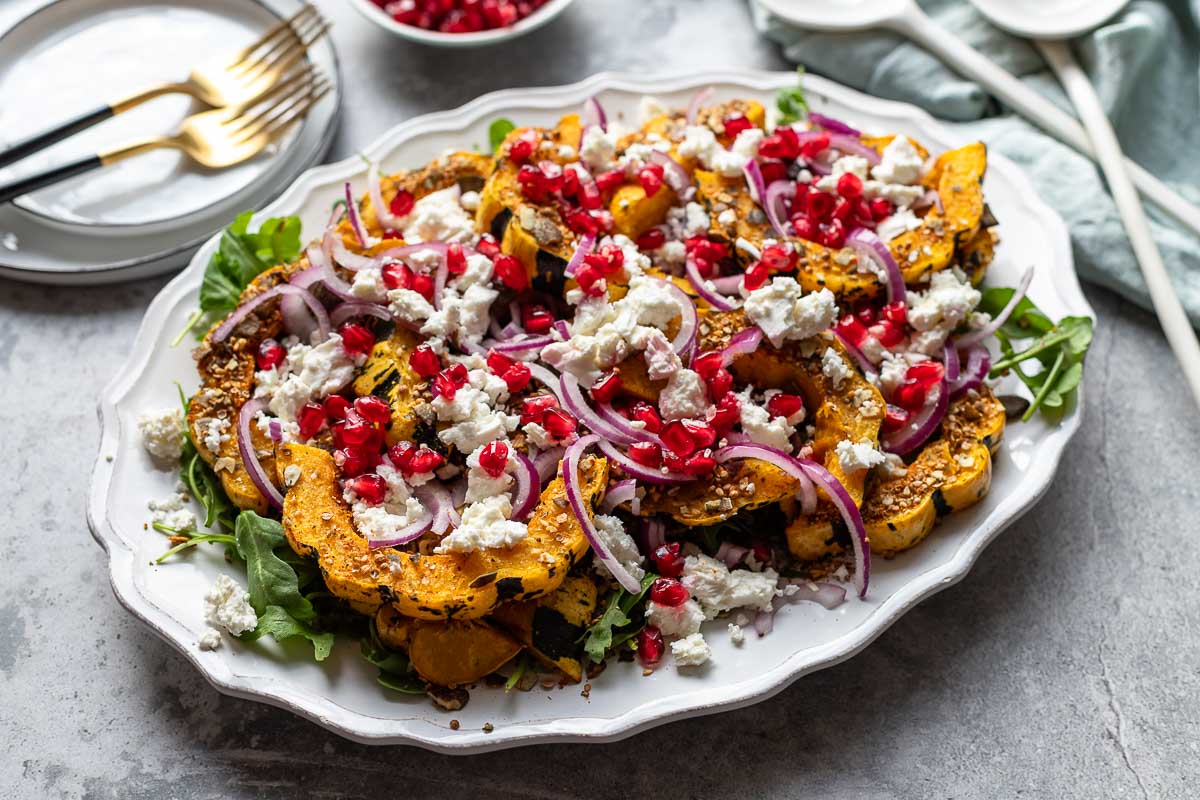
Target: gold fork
{"type": "Point", "coordinates": [219, 82]}
{"type": "Point", "coordinates": [214, 139]}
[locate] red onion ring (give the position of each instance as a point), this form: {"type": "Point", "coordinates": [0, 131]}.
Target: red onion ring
{"type": "Point", "coordinates": [355, 221]}
{"type": "Point", "coordinates": [593, 114]}
{"type": "Point", "coordinates": [867, 245]}
{"type": "Point", "coordinates": [930, 198]}
{"type": "Point", "coordinates": [546, 463]}
{"type": "Point", "coordinates": [850, 145]}
{"type": "Point", "coordinates": [574, 493]}
{"type": "Point", "coordinates": [275, 431]}
{"type": "Point", "coordinates": [742, 343]}
{"type": "Point", "coordinates": [705, 289]}
{"type": "Point", "coordinates": [864, 364]}
{"type": "Point", "coordinates": [387, 220]}
{"type": "Point", "coordinates": [950, 359]}
{"type": "Point", "coordinates": [979, 361]}
{"type": "Point", "coordinates": [243, 311]}
{"type": "Point", "coordinates": [258, 476]}
{"type": "Point", "coordinates": [698, 99]}
{"type": "Point", "coordinates": [409, 533]}
{"type": "Point", "coordinates": [352, 309]}
{"type": "Point", "coordinates": [675, 176]}
{"type": "Point", "coordinates": [577, 404]}
{"type": "Point", "coordinates": [620, 492]}
{"type": "Point", "coordinates": [641, 472]}
{"type": "Point", "coordinates": [778, 191]}
{"type": "Point", "coordinates": [652, 534]}
{"type": "Point", "coordinates": [614, 418]}
{"type": "Point", "coordinates": [808, 498]}
{"type": "Point", "coordinates": [689, 320]}
{"type": "Point", "coordinates": [547, 378]}
{"type": "Point", "coordinates": [583, 247]}
{"type": "Point", "coordinates": [732, 554]}
{"type": "Point", "coordinates": [435, 497]}
{"type": "Point", "coordinates": [528, 487]}
{"type": "Point", "coordinates": [523, 344]}
{"type": "Point", "coordinates": [832, 125]}
{"type": "Point", "coordinates": [335, 249]}
{"type": "Point", "coordinates": [562, 328]}
{"type": "Point", "coordinates": [296, 318]}
{"type": "Point", "coordinates": [922, 426]}
{"type": "Point", "coordinates": [764, 622]}
{"type": "Point", "coordinates": [754, 179]}
{"type": "Point", "coordinates": [976, 336]}
{"type": "Point", "coordinates": [829, 595]}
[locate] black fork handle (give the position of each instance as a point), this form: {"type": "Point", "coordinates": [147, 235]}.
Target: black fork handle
{"type": "Point", "coordinates": [51, 176]}
{"type": "Point", "coordinates": [40, 141]}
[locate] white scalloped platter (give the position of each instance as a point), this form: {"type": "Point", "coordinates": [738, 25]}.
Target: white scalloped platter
{"type": "Point", "coordinates": [341, 694]}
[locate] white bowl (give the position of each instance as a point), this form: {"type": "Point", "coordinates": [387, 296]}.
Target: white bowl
{"type": "Point", "coordinates": [411, 32]}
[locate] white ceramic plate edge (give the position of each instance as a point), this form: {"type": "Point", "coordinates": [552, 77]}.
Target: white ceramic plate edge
{"type": "Point", "coordinates": [707, 698]}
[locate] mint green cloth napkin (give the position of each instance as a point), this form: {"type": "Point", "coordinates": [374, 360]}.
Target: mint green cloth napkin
{"type": "Point", "coordinates": [1145, 64]}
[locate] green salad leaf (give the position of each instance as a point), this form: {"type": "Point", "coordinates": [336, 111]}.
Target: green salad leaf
{"type": "Point", "coordinates": [280, 625]}
{"type": "Point", "coordinates": [792, 104]}
{"type": "Point", "coordinates": [498, 130]}
{"type": "Point", "coordinates": [618, 624]}
{"type": "Point", "coordinates": [395, 671]}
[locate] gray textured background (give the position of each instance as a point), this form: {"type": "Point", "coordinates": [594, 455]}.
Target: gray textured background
{"type": "Point", "coordinates": [1064, 666]}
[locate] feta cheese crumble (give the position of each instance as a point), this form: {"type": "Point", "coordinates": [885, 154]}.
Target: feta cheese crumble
{"type": "Point", "coordinates": [173, 511]}
{"type": "Point", "coordinates": [761, 427]}
{"type": "Point", "coordinates": [684, 397]}
{"type": "Point", "coordinates": [438, 217]}
{"type": "Point", "coordinates": [690, 651]}
{"type": "Point", "coordinates": [620, 544]}
{"type": "Point", "coordinates": [162, 433]}
{"type": "Point", "coordinates": [485, 526]}
{"type": "Point", "coordinates": [717, 588]}
{"type": "Point", "coordinates": [307, 374]}
{"type": "Point", "coordinates": [681, 620]}
{"type": "Point", "coordinates": [784, 312]}
{"type": "Point", "coordinates": [480, 484]}
{"type": "Point", "coordinates": [834, 367]}
{"type": "Point", "coordinates": [210, 639]}
{"type": "Point", "coordinates": [700, 143]}
{"type": "Point", "coordinates": [858, 455]}
{"type": "Point", "coordinates": [227, 606]}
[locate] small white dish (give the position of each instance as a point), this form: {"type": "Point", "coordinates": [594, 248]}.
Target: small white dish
{"type": "Point", "coordinates": [341, 694]}
{"type": "Point", "coordinates": [438, 39]}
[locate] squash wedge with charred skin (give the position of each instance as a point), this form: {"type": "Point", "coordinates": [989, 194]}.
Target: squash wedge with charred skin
{"type": "Point", "coordinates": [388, 375]}
{"type": "Point", "coordinates": [469, 170]}
{"type": "Point", "coordinates": [553, 627]}
{"type": "Point", "coordinates": [452, 653]}
{"type": "Point", "coordinates": [430, 586]}
{"type": "Point", "coordinates": [832, 410]}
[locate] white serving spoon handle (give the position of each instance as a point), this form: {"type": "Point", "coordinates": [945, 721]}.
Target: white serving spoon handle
{"type": "Point", "coordinates": [916, 25]}
{"type": "Point", "coordinates": [1108, 152]}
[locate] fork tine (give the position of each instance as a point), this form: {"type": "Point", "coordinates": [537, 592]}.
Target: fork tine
{"type": "Point", "coordinates": [295, 54]}
{"type": "Point", "coordinates": [287, 82]}
{"type": "Point", "coordinates": [281, 126]}
{"type": "Point", "coordinates": [296, 48]}
{"type": "Point", "coordinates": [253, 118]}
{"type": "Point", "coordinates": [280, 113]}
{"type": "Point", "coordinates": [274, 31]}
{"type": "Point", "coordinates": [294, 35]}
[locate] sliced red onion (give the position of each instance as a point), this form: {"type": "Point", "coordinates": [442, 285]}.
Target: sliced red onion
{"type": "Point", "coordinates": [335, 249]}
{"type": "Point", "coordinates": [562, 328]}
{"type": "Point", "coordinates": [458, 493]}
{"type": "Point", "coordinates": [773, 204]}
{"type": "Point", "coordinates": [244, 310]}
{"type": "Point", "coordinates": [350, 310]}
{"type": "Point", "coordinates": [652, 534]}
{"type": "Point", "coordinates": [832, 125]}
{"type": "Point", "coordinates": [850, 145]}
{"type": "Point", "coordinates": [409, 533]}
{"type": "Point", "coordinates": [808, 498]}
{"type": "Point", "coordinates": [258, 476]}
{"type": "Point", "coordinates": [921, 426]}
{"type": "Point", "coordinates": [728, 284]}
{"type": "Point", "coordinates": [620, 492]}
{"type": "Point", "coordinates": [829, 595]}
{"type": "Point", "coordinates": [860, 358]}
{"type": "Point", "coordinates": [435, 498]}
{"type": "Point", "coordinates": [548, 379]}
{"type": "Point", "coordinates": [528, 487]}
{"type": "Point", "coordinates": [581, 249]}
{"type": "Point", "coordinates": [950, 360]}
{"type": "Point", "coordinates": [675, 176]}
{"type": "Point", "coordinates": [296, 318]}
{"type": "Point", "coordinates": [868, 245]}
{"type": "Point", "coordinates": [521, 344]}
{"type": "Point", "coordinates": [764, 622]}
{"type": "Point", "coordinates": [355, 221]}
{"type": "Point", "coordinates": [978, 335]}
{"type": "Point", "coordinates": [754, 179]}
{"type": "Point", "coordinates": [622, 423]}
{"type": "Point", "coordinates": [742, 343]}
{"type": "Point", "coordinates": [577, 404]}
{"type": "Point", "coordinates": [806, 470]}
{"type": "Point", "coordinates": [979, 361]}
{"type": "Point", "coordinates": [387, 220]}
{"type": "Point", "coordinates": [546, 463]}
{"type": "Point", "coordinates": [705, 289]}
{"type": "Point", "coordinates": [817, 168]}
{"type": "Point", "coordinates": [275, 431]}
{"type": "Point", "coordinates": [732, 554]}
{"type": "Point", "coordinates": [570, 468]}
{"type": "Point", "coordinates": [689, 320]}
{"type": "Point", "coordinates": [440, 275]}
{"type": "Point", "coordinates": [697, 101]}
{"type": "Point", "coordinates": [661, 476]}
{"type": "Point", "coordinates": [593, 114]}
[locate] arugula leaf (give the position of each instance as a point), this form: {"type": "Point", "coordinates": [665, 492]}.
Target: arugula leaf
{"type": "Point", "coordinates": [1026, 319]}
{"type": "Point", "coordinates": [280, 625]}
{"type": "Point", "coordinates": [792, 104]}
{"type": "Point", "coordinates": [241, 256]}
{"type": "Point", "coordinates": [271, 581]}
{"type": "Point", "coordinates": [498, 130]}
{"type": "Point", "coordinates": [599, 637]}
{"type": "Point", "coordinates": [395, 671]}
{"type": "Point", "coordinates": [522, 666]}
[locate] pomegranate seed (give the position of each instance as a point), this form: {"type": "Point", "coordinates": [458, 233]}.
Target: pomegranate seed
{"type": "Point", "coordinates": [517, 377]}
{"type": "Point", "coordinates": [533, 409]}
{"type": "Point", "coordinates": [536, 319]}
{"type": "Point", "coordinates": [756, 275]}
{"type": "Point", "coordinates": [866, 315]}
{"type": "Point", "coordinates": [457, 373]}
{"type": "Point", "coordinates": [651, 178]}
{"type": "Point", "coordinates": [881, 208]}
{"type": "Point", "coordinates": [726, 413]}
{"type": "Point", "coordinates": [650, 646]}
{"type": "Point", "coordinates": [608, 259]}
{"type": "Point", "coordinates": [700, 432]}
{"type": "Point", "coordinates": [648, 454]}
{"type": "Point", "coordinates": [762, 553]}
{"type": "Point", "coordinates": [910, 396]}
{"type": "Point", "coordinates": [590, 280]}
{"type": "Point", "coordinates": [310, 418]}
{"type": "Point", "coordinates": [896, 312]}
{"type": "Point", "coordinates": [672, 461]}
{"type": "Point", "coordinates": [270, 354]}
{"type": "Point", "coordinates": [373, 409]}
{"type": "Point", "coordinates": [804, 227]}
{"type": "Point", "coordinates": [488, 246]}
{"type": "Point", "coordinates": [350, 461]}
{"type": "Point", "coordinates": [356, 339]}
{"type": "Point", "coordinates": [354, 434]}
{"type": "Point", "coordinates": [895, 419]}
{"type": "Point", "coordinates": [888, 333]}
{"type": "Point", "coordinates": [705, 249]}
{"type": "Point", "coordinates": [401, 454]}
{"type": "Point", "coordinates": [396, 275]}
{"type": "Point", "coordinates": [843, 210]}
{"type": "Point", "coordinates": [707, 363]}
{"type": "Point", "coordinates": [511, 273]}
{"type": "Point", "coordinates": [423, 460]}
{"type": "Point", "coordinates": [850, 186]}
{"type": "Point", "coordinates": [370, 488]}
{"type": "Point", "coordinates": [926, 373]}
{"type": "Point", "coordinates": [783, 143]}
{"type": "Point", "coordinates": [700, 464]}
{"type": "Point", "coordinates": [669, 592]}
{"type": "Point", "coordinates": [646, 414]}
{"type": "Point", "coordinates": [522, 147]}
{"type": "Point", "coordinates": [494, 459]}
{"type": "Point", "coordinates": [424, 361]}
{"type": "Point", "coordinates": [559, 423]}
{"type": "Point", "coordinates": [852, 330]}
{"type": "Point", "coordinates": [335, 407]}
{"type": "Point", "coordinates": [402, 204]}
{"type": "Point", "coordinates": [677, 437]}
{"type": "Point", "coordinates": [606, 389]}
{"type": "Point", "coordinates": [819, 204]}
{"type": "Point", "coordinates": [833, 234]}
{"type": "Point", "coordinates": [785, 405]}
{"type": "Point", "coordinates": [498, 362]}
{"type": "Point", "coordinates": [719, 384]}
{"type": "Point", "coordinates": [444, 386]}
{"type": "Point", "coordinates": [735, 124]}
{"type": "Point", "coordinates": [772, 170]}
{"type": "Point", "coordinates": [779, 258]}
{"type": "Point", "coordinates": [815, 145]}
{"type": "Point", "coordinates": [651, 239]}
{"type": "Point", "coordinates": [608, 181]}
{"type": "Point", "coordinates": [456, 259]}
{"type": "Point", "coordinates": [668, 561]}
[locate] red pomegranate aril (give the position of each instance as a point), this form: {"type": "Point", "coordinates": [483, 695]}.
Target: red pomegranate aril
{"type": "Point", "coordinates": [783, 143]}
{"type": "Point", "coordinates": [270, 354]}
{"type": "Point", "coordinates": [725, 414]}
{"type": "Point", "coordinates": [896, 312]}
{"type": "Point", "coordinates": [707, 363]}
{"type": "Point", "coordinates": [705, 249]}
{"type": "Point", "coordinates": [910, 396]}
{"type": "Point", "coordinates": [673, 462]}
{"type": "Point", "coordinates": [559, 423]}
{"type": "Point", "coordinates": [779, 257]}
{"type": "Point", "coordinates": [843, 210]}
{"type": "Point", "coordinates": [533, 409]}
{"type": "Point", "coordinates": [402, 204]}
{"type": "Point", "coordinates": [735, 124]}
{"type": "Point", "coordinates": [850, 186]}
{"type": "Point", "coordinates": [678, 439]}
{"type": "Point", "coordinates": [852, 330]}
{"type": "Point", "coordinates": [350, 461]}
{"type": "Point", "coordinates": [424, 460]}
{"type": "Point", "coordinates": [762, 553]}
{"type": "Point", "coordinates": [756, 275]}
{"type": "Point", "coordinates": [646, 414]}
{"type": "Point", "coordinates": [926, 373]}
{"type": "Point", "coordinates": [511, 273]}
{"type": "Point", "coordinates": [355, 434]}
{"type": "Point", "coordinates": [651, 179]}
{"type": "Point", "coordinates": [488, 246]}
{"type": "Point", "coordinates": [881, 208]}
{"type": "Point", "coordinates": [396, 275]}
{"type": "Point", "coordinates": [356, 339]}
{"type": "Point", "coordinates": [895, 419]}
{"type": "Point", "coordinates": [609, 259]}
{"type": "Point", "coordinates": [832, 234]}
{"type": "Point", "coordinates": [402, 453]}
{"type": "Point", "coordinates": [609, 181]}
{"type": "Point", "coordinates": [819, 204]}
{"type": "Point", "coordinates": [456, 259]}
{"type": "Point", "coordinates": [652, 239]}
{"type": "Point", "coordinates": [590, 280]}
{"type": "Point", "coordinates": [866, 315]}
{"type": "Point", "coordinates": [668, 560]}
{"type": "Point", "coordinates": [424, 361]}
{"type": "Point", "coordinates": [719, 384]}
{"type": "Point", "coordinates": [888, 333]}
{"type": "Point", "coordinates": [370, 488]}
{"type": "Point", "coordinates": [373, 409]}
{"type": "Point", "coordinates": [605, 390]}
{"type": "Point", "coordinates": [785, 405]}
{"type": "Point", "coordinates": [536, 319]}
{"type": "Point", "coordinates": [772, 170]}
{"type": "Point", "coordinates": [700, 464]}
{"type": "Point", "coordinates": [494, 459]}
{"type": "Point", "coordinates": [650, 646]}
{"type": "Point", "coordinates": [310, 418]}
{"type": "Point", "coordinates": [669, 592]}
{"type": "Point", "coordinates": [498, 362]}
{"type": "Point", "coordinates": [521, 148]}
{"type": "Point", "coordinates": [702, 434]}
{"type": "Point", "coordinates": [648, 454]}
{"type": "Point", "coordinates": [335, 407]}
{"type": "Point", "coordinates": [804, 227]}
{"type": "Point", "coordinates": [457, 373]}
{"type": "Point", "coordinates": [815, 146]}
{"type": "Point", "coordinates": [444, 386]}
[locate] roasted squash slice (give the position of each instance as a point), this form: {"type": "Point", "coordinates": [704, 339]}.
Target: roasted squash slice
{"type": "Point", "coordinates": [634, 213]}
{"type": "Point", "coordinates": [388, 375]}
{"type": "Point", "coordinates": [452, 653]}
{"type": "Point", "coordinates": [552, 627]}
{"type": "Point", "coordinates": [433, 587]}
{"type": "Point", "coordinates": [469, 170]}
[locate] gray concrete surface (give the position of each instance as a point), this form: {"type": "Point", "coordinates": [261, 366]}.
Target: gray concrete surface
{"type": "Point", "coordinates": [1065, 666]}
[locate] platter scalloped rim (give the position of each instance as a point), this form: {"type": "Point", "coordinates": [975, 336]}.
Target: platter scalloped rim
{"type": "Point", "coordinates": [341, 694]}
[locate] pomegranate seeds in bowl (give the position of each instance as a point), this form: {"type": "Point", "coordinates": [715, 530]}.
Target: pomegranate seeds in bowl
{"type": "Point", "coordinates": [460, 22]}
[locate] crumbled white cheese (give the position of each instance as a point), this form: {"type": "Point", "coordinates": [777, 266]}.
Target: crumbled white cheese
{"type": "Point", "coordinates": [307, 374]}
{"type": "Point", "coordinates": [727, 217]}
{"type": "Point", "coordinates": [680, 620]}
{"type": "Point", "coordinates": [480, 484]}
{"type": "Point", "coordinates": [620, 544]}
{"type": "Point", "coordinates": [213, 432]}
{"type": "Point", "coordinates": [464, 317]}
{"type": "Point", "coordinates": [684, 397]}
{"type": "Point", "coordinates": [597, 149]}
{"type": "Point", "coordinates": [398, 510]}
{"type": "Point", "coordinates": [784, 312]}
{"type": "Point", "coordinates": [899, 163]}
{"type": "Point", "coordinates": [892, 466]}
{"type": "Point", "coordinates": [903, 219]}
{"type": "Point", "coordinates": [661, 359]}
{"type": "Point", "coordinates": [485, 525]}
{"type": "Point", "coordinates": [173, 511]}
{"type": "Point", "coordinates": [899, 193]}
{"type": "Point", "coordinates": [475, 419]}
{"type": "Point", "coordinates": [834, 367]}
{"type": "Point", "coordinates": [162, 433]}
{"type": "Point", "coordinates": [717, 588]}
{"type": "Point", "coordinates": [691, 651]}
{"type": "Point", "coordinates": [697, 220]}
{"type": "Point", "coordinates": [700, 143]}
{"type": "Point", "coordinates": [409, 306]}
{"type": "Point", "coordinates": [867, 402]}
{"type": "Point", "coordinates": [368, 285]}
{"type": "Point", "coordinates": [858, 455]}
{"type": "Point", "coordinates": [470, 200]}
{"type": "Point", "coordinates": [438, 217]}
{"type": "Point", "coordinates": [210, 639]}
{"type": "Point", "coordinates": [736, 634]}
{"type": "Point", "coordinates": [227, 606]}
{"type": "Point", "coordinates": [945, 304]}
{"type": "Point", "coordinates": [761, 427]}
